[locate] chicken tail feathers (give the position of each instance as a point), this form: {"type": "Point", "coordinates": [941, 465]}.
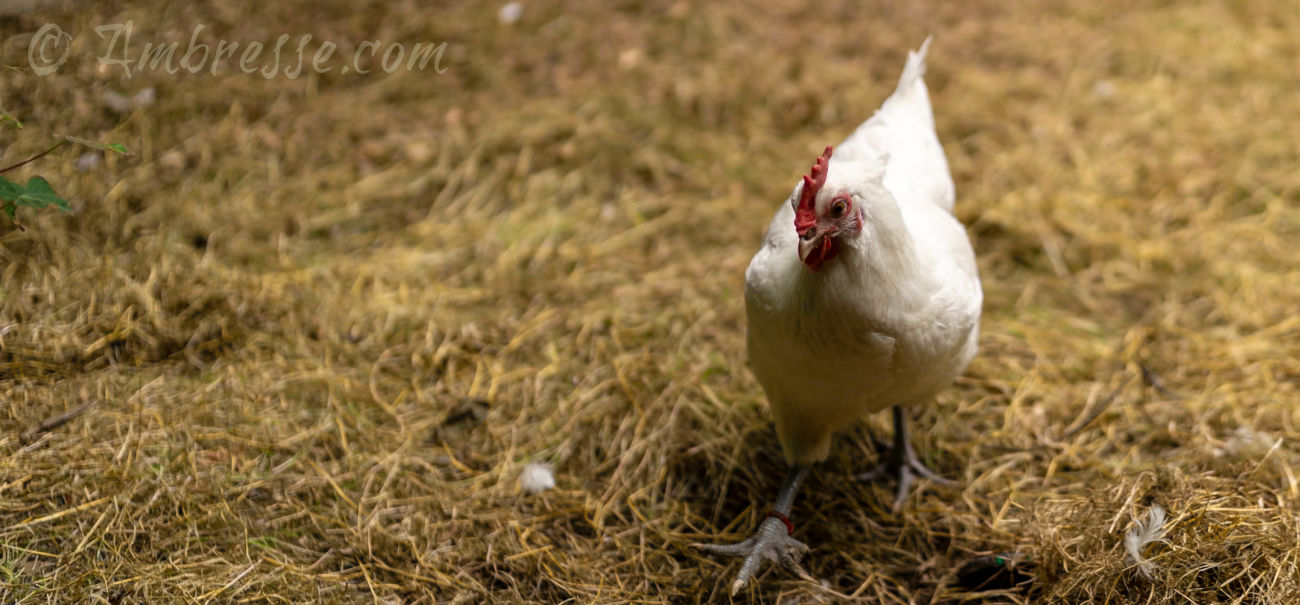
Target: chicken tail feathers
{"type": "Point", "coordinates": [914, 70]}
{"type": "Point", "coordinates": [903, 127]}
{"type": "Point", "coordinates": [911, 95]}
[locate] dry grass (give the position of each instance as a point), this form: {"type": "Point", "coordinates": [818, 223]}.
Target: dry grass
{"type": "Point", "coordinates": [324, 322]}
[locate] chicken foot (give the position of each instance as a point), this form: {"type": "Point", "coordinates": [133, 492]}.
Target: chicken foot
{"type": "Point", "coordinates": [772, 540]}
{"type": "Point", "coordinates": [900, 462]}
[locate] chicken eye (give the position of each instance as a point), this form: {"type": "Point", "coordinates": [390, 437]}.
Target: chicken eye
{"type": "Point", "coordinates": [838, 209]}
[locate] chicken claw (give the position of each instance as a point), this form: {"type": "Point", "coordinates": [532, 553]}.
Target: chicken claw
{"type": "Point", "coordinates": [772, 542]}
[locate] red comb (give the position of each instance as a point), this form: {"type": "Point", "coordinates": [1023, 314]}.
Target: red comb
{"type": "Point", "coordinates": [805, 214]}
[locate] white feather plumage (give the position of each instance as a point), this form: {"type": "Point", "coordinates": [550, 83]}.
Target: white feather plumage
{"type": "Point", "coordinates": [1150, 529]}
{"type": "Point", "coordinates": [885, 313]}
{"type": "Point", "coordinates": [895, 317]}
{"type": "Point", "coordinates": [537, 477]}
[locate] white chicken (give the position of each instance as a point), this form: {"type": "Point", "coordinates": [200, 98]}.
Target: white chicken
{"type": "Point", "coordinates": [864, 295]}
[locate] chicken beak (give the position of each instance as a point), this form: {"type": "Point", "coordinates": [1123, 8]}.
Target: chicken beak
{"type": "Point", "coordinates": [809, 245]}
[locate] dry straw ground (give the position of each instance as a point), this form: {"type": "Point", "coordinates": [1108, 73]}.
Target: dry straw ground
{"type": "Point", "coordinates": [322, 322]}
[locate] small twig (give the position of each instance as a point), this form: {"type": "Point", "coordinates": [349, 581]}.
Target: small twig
{"type": "Point", "coordinates": [55, 421]}
{"type": "Point", "coordinates": [1095, 411]}
{"type": "Point", "coordinates": [33, 158]}
{"type": "Point", "coordinates": [213, 593]}
{"type": "Point", "coordinates": [63, 513]}
{"type": "Point", "coordinates": [1153, 381]}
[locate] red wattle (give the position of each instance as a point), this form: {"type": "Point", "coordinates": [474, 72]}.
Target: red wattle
{"type": "Point", "coordinates": [826, 251]}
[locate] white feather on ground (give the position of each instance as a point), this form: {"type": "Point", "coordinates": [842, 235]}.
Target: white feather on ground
{"type": "Point", "coordinates": [537, 477]}
{"type": "Point", "coordinates": [511, 13]}
{"type": "Point", "coordinates": [1151, 529]}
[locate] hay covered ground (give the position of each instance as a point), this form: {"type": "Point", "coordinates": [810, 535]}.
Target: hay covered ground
{"type": "Point", "coordinates": [322, 323]}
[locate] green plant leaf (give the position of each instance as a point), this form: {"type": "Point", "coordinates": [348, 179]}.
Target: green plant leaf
{"type": "Point", "coordinates": [114, 147]}
{"type": "Point", "coordinates": [9, 190]}
{"type": "Point", "coordinates": [40, 194]}
{"type": "Point", "coordinates": [5, 117]}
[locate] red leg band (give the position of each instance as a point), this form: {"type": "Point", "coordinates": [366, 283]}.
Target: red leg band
{"type": "Point", "coordinates": [789, 525]}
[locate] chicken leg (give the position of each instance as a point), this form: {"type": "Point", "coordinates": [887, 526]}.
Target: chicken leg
{"type": "Point", "coordinates": [771, 541]}
{"type": "Point", "coordinates": [901, 463]}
